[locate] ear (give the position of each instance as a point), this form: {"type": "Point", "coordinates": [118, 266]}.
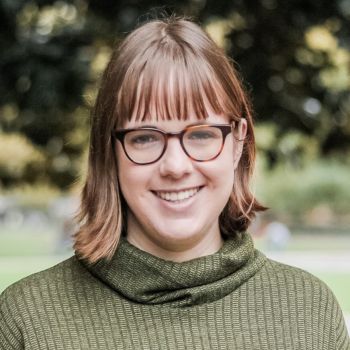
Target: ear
{"type": "Point", "coordinates": [239, 135]}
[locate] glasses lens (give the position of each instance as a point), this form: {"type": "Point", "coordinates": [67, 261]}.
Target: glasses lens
{"type": "Point", "coordinates": [144, 146]}
{"type": "Point", "coordinates": [203, 142]}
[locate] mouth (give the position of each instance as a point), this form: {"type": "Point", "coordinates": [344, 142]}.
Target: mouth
{"type": "Point", "coordinates": [177, 196]}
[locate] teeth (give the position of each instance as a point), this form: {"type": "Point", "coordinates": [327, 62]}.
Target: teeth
{"type": "Point", "coordinates": [177, 196]}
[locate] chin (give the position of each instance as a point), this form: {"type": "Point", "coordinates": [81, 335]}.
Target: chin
{"type": "Point", "coordinates": [179, 235]}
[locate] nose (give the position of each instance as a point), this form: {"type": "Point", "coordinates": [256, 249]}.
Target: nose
{"type": "Point", "coordinates": [175, 163]}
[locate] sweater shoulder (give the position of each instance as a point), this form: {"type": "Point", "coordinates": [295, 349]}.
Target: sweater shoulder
{"type": "Point", "coordinates": [305, 294]}
{"type": "Point", "coordinates": [293, 275]}
{"type": "Point", "coordinates": [297, 284]}
{"type": "Point", "coordinates": [30, 295]}
{"type": "Point", "coordinates": [61, 274]}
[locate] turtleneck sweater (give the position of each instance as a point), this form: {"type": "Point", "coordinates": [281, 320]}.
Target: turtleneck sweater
{"type": "Point", "coordinates": [233, 299]}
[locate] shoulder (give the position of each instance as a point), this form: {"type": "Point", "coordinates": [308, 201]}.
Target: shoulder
{"type": "Point", "coordinates": [29, 295]}
{"type": "Point", "coordinates": [59, 273]}
{"type": "Point", "coordinates": [295, 281]}
{"type": "Point", "coordinates": [290, 288]}
{"type": "Point", "coordinates": [45, 288]}
{"type": "Point", "coordinates": [42, 286]}
{"type": "Point", "coordinates": [304, 298]}
{"type": "Point", "coordinates": [289, 270]}
{"type": "Point", "coordinates": [293, 295]}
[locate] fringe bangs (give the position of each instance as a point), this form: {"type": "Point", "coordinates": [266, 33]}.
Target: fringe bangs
{"type": "Point", "coordinates": [167, 84]}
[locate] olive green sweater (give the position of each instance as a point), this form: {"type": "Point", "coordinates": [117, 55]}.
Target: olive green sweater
{"type": "Point", "coordinates": [233, 299]}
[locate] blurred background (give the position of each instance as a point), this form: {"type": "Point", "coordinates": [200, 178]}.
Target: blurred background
{"type": "Point", "coordinates": [295, 59]}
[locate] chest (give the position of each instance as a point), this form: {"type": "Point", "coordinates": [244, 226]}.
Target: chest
{"type": "Point", "coordinates": [118, 324]}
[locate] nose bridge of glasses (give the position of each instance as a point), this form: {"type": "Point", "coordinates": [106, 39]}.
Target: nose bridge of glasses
{"type": "Point", "coordinates": [175, 160]}
{"type": "Point", "coordinates": [178, 135]}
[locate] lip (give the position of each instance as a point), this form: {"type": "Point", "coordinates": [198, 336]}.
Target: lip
{"type": "Point", "coordinates": [178, 205]}
{"type": "Point", "coordinates": [179, 189]}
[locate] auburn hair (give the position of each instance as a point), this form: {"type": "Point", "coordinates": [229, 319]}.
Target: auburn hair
{"type": "Point", "coordinates": [162, 70]}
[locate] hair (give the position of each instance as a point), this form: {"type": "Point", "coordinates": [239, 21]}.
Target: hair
{"type": "Point", "coordinates": [163, 69]}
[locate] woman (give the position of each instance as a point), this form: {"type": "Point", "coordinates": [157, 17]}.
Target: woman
{"type": "Point", "coordinates": [163, 260]}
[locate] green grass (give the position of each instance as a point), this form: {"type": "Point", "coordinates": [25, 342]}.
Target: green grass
{"type": "Point", "coordinates": [28, 250]}
{"type": "Point", "coordinates": [27, 242]}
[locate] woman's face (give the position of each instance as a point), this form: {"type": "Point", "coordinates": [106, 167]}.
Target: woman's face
{"type": "Point", "coordinates": [178, 229]}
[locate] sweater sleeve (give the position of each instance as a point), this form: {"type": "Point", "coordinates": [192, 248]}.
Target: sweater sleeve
{"type": "Point", "coordinates": [10, 333]}
{"type": "Point", "coordinates": [342, 336]}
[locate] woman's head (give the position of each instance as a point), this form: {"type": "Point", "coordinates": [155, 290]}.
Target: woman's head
{"type": "Point", "coordinates": [164, 71]}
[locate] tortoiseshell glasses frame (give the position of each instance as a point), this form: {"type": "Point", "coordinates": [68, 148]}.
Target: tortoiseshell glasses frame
{"type": "Point", "coordinates": [146, 145]}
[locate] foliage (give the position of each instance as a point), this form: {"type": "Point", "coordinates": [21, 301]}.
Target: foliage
{"type": "Point", "coordinates": [316, 194]}
{"type": "Point", "coordinates": [19, 158]}
{"type": "Point", "coordinates": [295, 56]}
{"type": "Point", "coordinates": [44, 65]}
{"type": "Point", "coordinates": [294, 148]}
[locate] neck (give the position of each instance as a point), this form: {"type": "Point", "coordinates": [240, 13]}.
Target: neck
{"type": "Point", "coordinates": [180, 251]}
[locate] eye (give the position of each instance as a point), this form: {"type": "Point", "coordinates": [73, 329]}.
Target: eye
{"type": "Point", "coordinates": [203, 134]}
{"type": "Point", "coordinates": [143, 138]}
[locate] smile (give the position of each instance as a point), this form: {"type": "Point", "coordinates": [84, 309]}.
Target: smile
{"type": "Point", "coordinates": [176, 196]}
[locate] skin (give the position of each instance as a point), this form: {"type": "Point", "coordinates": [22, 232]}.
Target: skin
{"type": "Point", "coordinates": [189, 229]}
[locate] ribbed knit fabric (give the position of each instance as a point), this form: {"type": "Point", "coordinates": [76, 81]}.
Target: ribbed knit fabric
{"type": "Point", "coordinates": [233, 299]}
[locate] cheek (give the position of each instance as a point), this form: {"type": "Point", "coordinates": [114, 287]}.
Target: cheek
{"type": "Point", "coordinates": [126, 175]}
{"type": "Point", "coordinates": [128, 181]}
{"type": "Point", "coordinates": [222, 173]}
{"type": "Point", "coordinates": [226, 162]}
{"type": "Point", "coordinates": [133, 179]}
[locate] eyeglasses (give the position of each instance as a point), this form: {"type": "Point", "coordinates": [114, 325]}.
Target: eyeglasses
{"type": "Point", "coordinates": [146, 145]}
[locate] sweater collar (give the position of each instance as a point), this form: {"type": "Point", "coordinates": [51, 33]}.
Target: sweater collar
{"type": "Point", "coordinates": [147, 279]}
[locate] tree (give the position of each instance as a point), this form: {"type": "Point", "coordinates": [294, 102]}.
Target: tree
{"type": "Point", "coordinates": [294, 57]}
